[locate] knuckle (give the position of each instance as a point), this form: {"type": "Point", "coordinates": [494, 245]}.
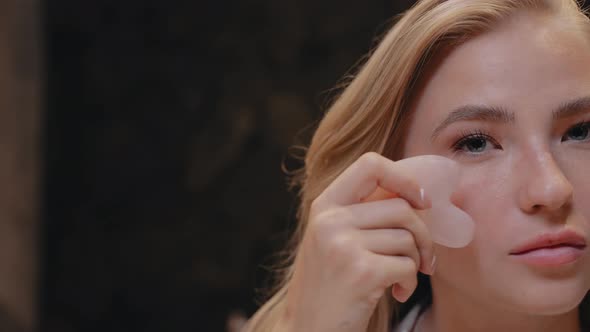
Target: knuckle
{"type": "Point", "coordinates": [409, 182]}
{"type": "Point", "coordinates": [408, 266]}
{"type": "Point", "coordinates": [326, 223]}
{"type": "Point", "coordinates": [404, 206]}
{"type": "Point", "coordinates": [406, 238]}
{"type": "Point", "coordinates": [370, 160]}
{"type": "Point", "coordinates": [339, 246]}
{"type": "Point", "coordinates": [403, 269]}
{"type": "Point", "coordinates": [364, 272]}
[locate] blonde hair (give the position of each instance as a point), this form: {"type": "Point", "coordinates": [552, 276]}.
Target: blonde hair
{"type": "Point", "coordinates": [372, 111]}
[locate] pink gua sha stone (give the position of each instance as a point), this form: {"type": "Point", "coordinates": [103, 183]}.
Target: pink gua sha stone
{"type": "Point", "coordinates": [438, 176]}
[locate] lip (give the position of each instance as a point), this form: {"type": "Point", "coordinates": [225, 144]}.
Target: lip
{"type": "Point", "coordinates": [551, 249]}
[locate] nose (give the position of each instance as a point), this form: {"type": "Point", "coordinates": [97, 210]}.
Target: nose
{"type": "Point", "coordinates": [545, 185]}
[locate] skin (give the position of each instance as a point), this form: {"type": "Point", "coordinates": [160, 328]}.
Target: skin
{"type": "Point", "coordinates": [531, 180]}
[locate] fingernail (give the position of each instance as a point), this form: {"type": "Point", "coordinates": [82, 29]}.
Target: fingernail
{"type": "Point", "coordinates": [433, 264]}
{"type": "Point", "coordinates": [425, 200]}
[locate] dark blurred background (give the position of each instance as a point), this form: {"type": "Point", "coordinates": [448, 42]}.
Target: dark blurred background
{"type": "Point", "coordinates": [166, 127]}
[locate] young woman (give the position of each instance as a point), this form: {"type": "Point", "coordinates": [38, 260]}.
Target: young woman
{"type": "Point", "coordinates": [503, 88]}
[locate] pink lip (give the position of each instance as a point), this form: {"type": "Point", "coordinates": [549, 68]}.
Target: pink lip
{"type": "Point", "coordinates": [551, 249]}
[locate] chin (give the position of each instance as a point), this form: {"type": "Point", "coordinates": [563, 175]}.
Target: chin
{"type": "Point", "coordinates": [553, 299]}
{"type": "Point", "coordinates": [552, 307]}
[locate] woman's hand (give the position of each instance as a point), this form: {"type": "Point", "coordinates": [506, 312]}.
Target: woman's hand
{"type": "Point", "coordinates": [354, 248]}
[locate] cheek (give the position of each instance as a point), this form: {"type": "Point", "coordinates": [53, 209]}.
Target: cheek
{"type": "Point", "coordinates": [487, 195]}
{"type": "Point", "coordinates": [484, 194]}
{"type": "Point", "coordinates": [483, 189]}
{"type": "Point", "coordinates": [582, 196]}
{"type": "Point", "coordinates": [575, 168]}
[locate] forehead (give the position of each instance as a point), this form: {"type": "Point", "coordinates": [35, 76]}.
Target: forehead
{"type": "Point", "coordinates": [530, 61]}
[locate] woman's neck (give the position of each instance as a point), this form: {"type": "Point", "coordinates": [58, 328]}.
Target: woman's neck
{"type": "Point", "coordinates": [458, 315]}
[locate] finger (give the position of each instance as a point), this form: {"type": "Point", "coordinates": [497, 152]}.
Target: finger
{"type": "Point", "coordinates": [408, 282]}
{"type": "Point", "coordinates": [391, 214]}
{"type": "Point", "coordinates": [368, 173]}
{"type": "Point", "coordinates": [403, 292]}
{"type": "Point", "coordinates": [400, 272]}
{"type": "Point", "coordinates": [390, 242]}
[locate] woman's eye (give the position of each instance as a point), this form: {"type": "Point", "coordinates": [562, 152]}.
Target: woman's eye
{"type": "Point", "coordinates": [475, 144]}
{"type": "Point", "coordinates": [578, 132]}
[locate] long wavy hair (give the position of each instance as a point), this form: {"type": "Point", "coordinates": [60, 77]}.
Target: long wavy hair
{"type": "Point", "coordinates": [371, 113]}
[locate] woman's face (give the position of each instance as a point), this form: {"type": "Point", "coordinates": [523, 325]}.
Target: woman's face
{"type": "Point", "coordinates": [512, 106]}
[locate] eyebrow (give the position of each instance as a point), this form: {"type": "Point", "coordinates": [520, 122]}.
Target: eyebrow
{"type": "Point", "coordinates": [474, 113]}
{"type": "Point", "coordinates": [572, 108]}
{"type": "Point", "coordinates": [502, 115]}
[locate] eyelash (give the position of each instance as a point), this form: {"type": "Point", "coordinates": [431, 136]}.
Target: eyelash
{"type": "Point", "coordinates": [467, 136]}
{"type": "Point", "coordinates": [583, 124]}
